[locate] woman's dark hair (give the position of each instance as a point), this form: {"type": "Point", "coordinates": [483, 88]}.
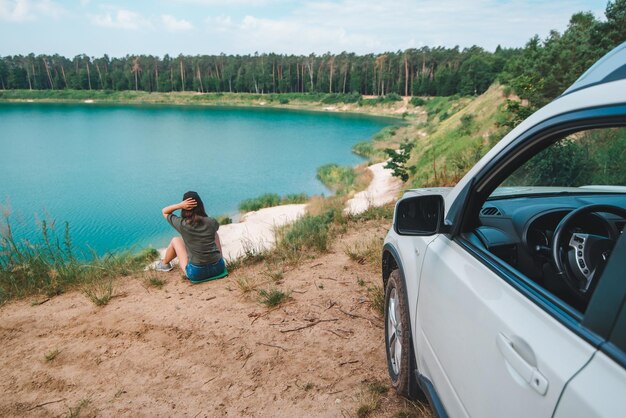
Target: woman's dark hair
{"type": "Point", "coordinates": [192, 215]}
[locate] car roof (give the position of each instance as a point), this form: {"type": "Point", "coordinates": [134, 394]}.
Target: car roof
{"type": "Point", "coordinates": [611, 67]}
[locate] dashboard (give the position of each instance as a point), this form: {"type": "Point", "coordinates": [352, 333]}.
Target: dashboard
{"type": "Point", "coordinates": [519, 229]}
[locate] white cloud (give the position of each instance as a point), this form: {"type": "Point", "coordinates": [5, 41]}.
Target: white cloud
{"type": "Point", "coordinates": [176, 25]}
{"type": "Point", "coordinates": [372, 26]}
{"type": "Point", "coordinates": [252, 33]}
{"type": "Point", "coordinates": [121, 19]}
{"type": "Point", "coordinates": [25, 10]}
{"type": "Point", "coordinates": [231, 3]}
{"type": "Point", "coordinates": [220, 23]}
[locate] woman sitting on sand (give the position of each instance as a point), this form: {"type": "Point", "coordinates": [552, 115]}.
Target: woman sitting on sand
{"type": "Point", "coordinates": [199, 251]}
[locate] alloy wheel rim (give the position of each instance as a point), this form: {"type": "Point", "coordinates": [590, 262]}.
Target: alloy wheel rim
{"type": "Point", "coordinates": [394, 332]}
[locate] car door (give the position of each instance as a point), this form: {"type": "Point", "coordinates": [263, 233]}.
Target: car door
{"type": "Point", "coordinates": [598, 389]}
{"type": "Point", "coordinates": [492, 342]}
{"type": "Point", "coordinates": [497, 354]}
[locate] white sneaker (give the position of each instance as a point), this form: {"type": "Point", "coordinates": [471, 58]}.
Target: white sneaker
{"type": "Point", "coordinates": [163, 267]}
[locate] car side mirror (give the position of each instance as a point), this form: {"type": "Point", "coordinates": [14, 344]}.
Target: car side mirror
{"type": "Point", "coordinates": [420, 215]}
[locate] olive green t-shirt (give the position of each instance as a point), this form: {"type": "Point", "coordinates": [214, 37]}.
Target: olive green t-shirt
{"type": "Point", "coordinates": [199, 239]}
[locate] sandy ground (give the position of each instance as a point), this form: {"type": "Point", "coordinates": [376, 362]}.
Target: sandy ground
{"type": "Point", "coordinates": [205, 350]}
{"type": "Point", "coordinates": [256, 229]}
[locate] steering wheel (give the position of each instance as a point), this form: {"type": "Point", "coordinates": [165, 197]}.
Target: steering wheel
{"type": "Point", "coordinates": [583, 257]}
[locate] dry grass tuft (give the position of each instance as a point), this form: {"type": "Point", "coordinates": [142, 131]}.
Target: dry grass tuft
{"type": "Point", "coordinates": [366, 252]}
{"type": "Point", "coordinates": [99, 292]}
{"type": "Point", "coordinates": [51, 355]}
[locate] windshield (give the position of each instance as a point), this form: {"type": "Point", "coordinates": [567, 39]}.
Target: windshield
{"type": "Point", "coordinates": [591, 161]}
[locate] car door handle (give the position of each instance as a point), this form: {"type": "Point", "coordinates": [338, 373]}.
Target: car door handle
{"type": "Point", "coordinates": [528, 372]}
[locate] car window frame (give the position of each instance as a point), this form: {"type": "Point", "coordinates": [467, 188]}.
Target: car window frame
{"type": "Point", "coordinates": [466, 216]}
{"type": "Point", "coordinates": [615, 347]}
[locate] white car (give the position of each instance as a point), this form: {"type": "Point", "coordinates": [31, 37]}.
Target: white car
{"type": "Point", "coordinates": [505, 295]}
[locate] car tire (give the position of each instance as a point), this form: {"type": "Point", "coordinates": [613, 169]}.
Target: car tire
{"type": "Point", "coordinates": [400, 358]}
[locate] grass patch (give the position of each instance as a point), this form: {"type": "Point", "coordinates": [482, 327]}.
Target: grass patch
{"type": "Point", "coordinates": [377, 299]}
{"type": "Point", "coordinates": [246, 284]}
{"type": "Point", "coordinates": [51, 355]}
{"type": "Point", "coordinates": [414, 410]}
{"type": "Point", "coordinates": [375, 213]}
{"type": "Point", "coordinates": [381, 100]}
{"type": "Point", "coordinates": [50, 266]}
{"type": "Point", "coordinates": [343, 179]}
{"type": "Point", "coordinates": [366, 149]}
{"type": "Point", "coordinates": [339, 179]}
{"type": "Point", "coordinates": [272, 297]}
{"type": "Point", "coordinates": [366, 252]}
{"type": "Point", "coordinates": [370, 398]}
{"type": "Point", "coordinates": [234, 264]}
{"type": "Point", "coordinates": [99, 292]}
{"type": "Point", "coordinates": [252, 254]}
{"type": "Point", "coordinates": [310, 234]}
{"type": "Point", "coordinates": [269, 200]}
{"type": "Point", "coordinates": [378, 387]}
{"type": "Point", "coordinates": [156, 282]}
{"type": "Point", "coordinates": [75, 412]}
{"type": "Point", "coordinates": [224, 220]}
{"type": "Point", "coordinates": [458, 133]}
{"type": "Point", "coordinates": [274, 272]}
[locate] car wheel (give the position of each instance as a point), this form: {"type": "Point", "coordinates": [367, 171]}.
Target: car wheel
{"type": "Point", "coordinates": [398, 338]}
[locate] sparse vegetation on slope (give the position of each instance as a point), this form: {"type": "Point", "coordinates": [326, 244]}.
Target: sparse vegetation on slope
{"type": "Point", "coordinates": [50, 266]}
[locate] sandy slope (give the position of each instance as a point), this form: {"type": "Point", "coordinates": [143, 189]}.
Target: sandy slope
{"type": "Point", "coordinates": [203, 350]}
{"type": "Point", "coordinates": [256, 229]}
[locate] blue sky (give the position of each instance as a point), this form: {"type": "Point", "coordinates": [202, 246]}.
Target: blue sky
{"type": "Point", "coordinates": [118, 28]}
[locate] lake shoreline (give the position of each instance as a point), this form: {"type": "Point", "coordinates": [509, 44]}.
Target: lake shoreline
{"type": "Point", "coordinates": [247, 220]}
{"type": "Point", "coordinates": [395, 110]}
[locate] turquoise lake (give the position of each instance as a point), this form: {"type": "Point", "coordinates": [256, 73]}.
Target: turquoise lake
{"type": "Point", "coordinates": [108, 170]}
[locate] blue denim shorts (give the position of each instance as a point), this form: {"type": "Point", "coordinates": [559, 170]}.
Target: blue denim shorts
{"type": "Point", "coordinates": [195, 273]}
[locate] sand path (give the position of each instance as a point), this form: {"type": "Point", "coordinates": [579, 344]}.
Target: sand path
{"type": "Point", "coordinates": [384, 188]}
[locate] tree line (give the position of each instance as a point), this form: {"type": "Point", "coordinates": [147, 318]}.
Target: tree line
{"type": "Point", "coordinates": [424, 71]}
{"type": "Point", "coordinates": [542, 70]}
{"type": "Point", "coordinates": [538, 72]}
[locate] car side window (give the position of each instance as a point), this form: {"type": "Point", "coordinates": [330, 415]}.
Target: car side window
{"type": "Point", "coordinates": [557, 217]}
{"type": "Point", "coordinates": [592, 157]}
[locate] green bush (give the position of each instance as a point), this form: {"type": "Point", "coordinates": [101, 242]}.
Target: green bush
{"type": "Point", "coordinates": [224, 220]}
{"type": "Point", "coordinates": [393, 97]}
{"type": "Point", "coordinates": [364, 149]}
{"type": "Point", "coordinates": [417, 101]}
{"type": "Point", "coordinates": [294, 198]}
{"type": "Point", "coordinates": [272, 297]}
{"type": "Point", "coordinates": [340, 179]}
{"type": "Point", "coordinates": [398, 159]}
{"type": "Point", "coordinates": [381, 100]}
{"type": "Point", "coordinates": [264, 201]}
{"type": "Point", "coordinates": [307, 233]}
{"type": "Point", "coordinates": [334, 98]}
{"type": "Point", "coordinates": [269, 200]}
